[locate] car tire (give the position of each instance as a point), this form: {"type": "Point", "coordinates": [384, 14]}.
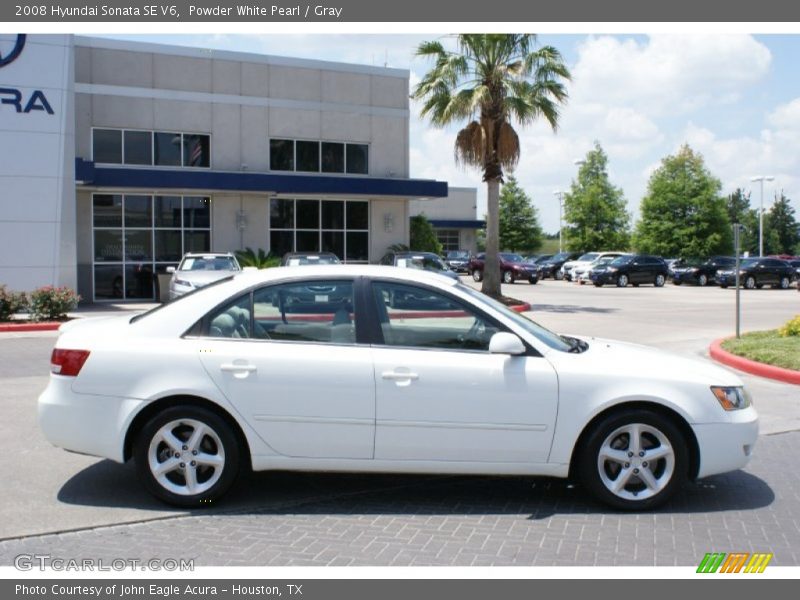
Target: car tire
{"type": "Point", "coordinates": [750, 282]}
{"type": "Point", "coordinates": [675, 282]}
{"type": "Point", "coordinates": [533, 280]}
{"type": "Point", "coordinates": [558, 275]}
{"type": "Point", "coordinates": [611, 445]}
{"type": "Point", "coordinates": [508, 277]}
{"type": "Point", "coordinates": [785, 283]}
{"type": "Point", "coordinates": [201, 433]}
{"type": "Point", "coordinates": [660, 280]}
{"type": "Point", "coordinates": [724, 286]}
{"type": "Point", "coordinates": [622, 281]}
{"type": "Point", "coordinates": [477, 275]}
{"type": "Point", "coordinates": [702, 280]}
{"type": "Point", "coordinates": [598, 284]}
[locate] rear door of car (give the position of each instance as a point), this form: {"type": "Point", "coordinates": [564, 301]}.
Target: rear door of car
{"type": "Point", "coordinates": [288, 358]}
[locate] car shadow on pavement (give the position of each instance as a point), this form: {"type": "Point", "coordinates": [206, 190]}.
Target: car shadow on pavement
{"type": "Point", "coordinates": [571, 309]}
{"type": "Point", "coordinates": [108, 484]}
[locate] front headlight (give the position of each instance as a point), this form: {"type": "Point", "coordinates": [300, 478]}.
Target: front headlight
{"type": "Point", "coordinates": [612, 269]}
{"type": "Point", "coordinates": [184, 283]}
{"type": "Point", "coordinates": [731, 398]}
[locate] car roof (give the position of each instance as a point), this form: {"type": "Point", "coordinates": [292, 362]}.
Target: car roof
{"type": "Point", "coordinates": [204, 254]}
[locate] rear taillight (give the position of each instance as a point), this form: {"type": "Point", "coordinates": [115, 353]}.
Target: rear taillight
{"type": "Point", "coordinates": [67, 362]}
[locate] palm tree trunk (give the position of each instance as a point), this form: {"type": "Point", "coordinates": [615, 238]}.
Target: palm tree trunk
{"type": "Point", "coordinates": [491, 267]}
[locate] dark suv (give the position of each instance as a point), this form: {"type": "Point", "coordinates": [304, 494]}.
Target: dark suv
{"type": "Point", "coordinates": [758, 272]}
{"type": "Point", "coordinates": [457, 260]}
{"type": "Point", "coordinates": [512, 268]}
{"type": "Point", "coordinates": [635, 269]}
{"type": "Point", "coordinates": [698, 271]}
{"type": "Point", "coordinates": [552, 266]}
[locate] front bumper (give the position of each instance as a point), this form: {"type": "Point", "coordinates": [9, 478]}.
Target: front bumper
{"type": "Point", "coordinates": [727, 447]}
{"type": "Point", "coordinates": [684, 277]}
{"type": "Point", "coordinates": [603, 277]}
{"type": "Point", "coordinates": [85, 423]}
{"type": "Point", "coordinates": [726, 279]}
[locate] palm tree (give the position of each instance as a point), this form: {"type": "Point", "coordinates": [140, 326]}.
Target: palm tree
{"type": "Point", "coordinates": [491, 80]}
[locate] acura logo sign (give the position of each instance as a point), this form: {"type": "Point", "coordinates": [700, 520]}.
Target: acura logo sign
{"type": "Point", "coordinates": [15, 51]}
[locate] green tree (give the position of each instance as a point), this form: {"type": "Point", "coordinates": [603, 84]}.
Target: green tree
{"type": "Point", "coordinates": [490, 81]}
{"type": "Point", "coordinates": [423, 237]}
{"type": "Point", "coordinates": [594, 210]}
{"type": "Point", "coordinates": [781, 229]}
{"type": "Point", "coordinates": [739, 211]}
{"type": "Point", "coordinates": [519, 222]}
{"type": "Point", "coordinates": [683, 213]}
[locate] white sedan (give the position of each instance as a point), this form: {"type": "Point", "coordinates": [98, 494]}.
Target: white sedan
{"type": "Point", "coordinates": [366, 368]}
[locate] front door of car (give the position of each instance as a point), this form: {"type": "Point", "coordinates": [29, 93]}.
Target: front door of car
{"type": "Point", "coordinates": [286, 358]}
{"type": "Point", "coordinates": [441, 396]}
{"type": "Point", "coordinates": [637, 271]}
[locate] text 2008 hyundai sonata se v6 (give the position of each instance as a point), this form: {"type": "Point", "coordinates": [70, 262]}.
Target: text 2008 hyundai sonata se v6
{"type": "Point", "coordinates": [368, 368]}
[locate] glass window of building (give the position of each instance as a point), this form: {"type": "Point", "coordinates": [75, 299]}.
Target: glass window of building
{"type": "Point", "coordinates": [448, 238]}
{"type": "Point", "coordinates": [167, 148]}
{"type": "Point", "coordinates": [332, 157]}
{"type": "Point", "coordinates": [281, 155]}
{"type": "Point", "coordinates": [357, 159]}
{"type": "Point", "coordinates": [196, 150]}
{"type": "Point", "coordinates": [307, 156]}
{"type": "Point", "coordinates": [107, 145]}
{"type": "Point", "coordinates": [137, 236]}
{"type": "Point", "coordinates": [138, 148]}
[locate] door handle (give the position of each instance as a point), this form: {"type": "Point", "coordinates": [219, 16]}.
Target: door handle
{"type": "Point", "coordinates": [237, 368]}
{"type": "Point", "coordinates": [399, 376]}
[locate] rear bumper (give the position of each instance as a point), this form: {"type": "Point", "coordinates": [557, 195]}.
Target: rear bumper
{"type": "Point", "coordinates": [727, 446]}
{"type": "Point", "coordinates": [89, 424]}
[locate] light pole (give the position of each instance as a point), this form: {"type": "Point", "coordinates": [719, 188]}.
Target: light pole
{"type": "Point", "coordinates": [762, 179]}
{"type": "Point", "coordinates": [560, 195]}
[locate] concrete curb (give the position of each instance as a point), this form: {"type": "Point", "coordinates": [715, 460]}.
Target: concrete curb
{"type": "Point", "coordinates": [22, 326]}
{"type": "Point", "coordinates": [751, 366]}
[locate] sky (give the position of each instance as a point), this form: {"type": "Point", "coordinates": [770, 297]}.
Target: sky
{"type": "Point", "coordinates": [735, 98]}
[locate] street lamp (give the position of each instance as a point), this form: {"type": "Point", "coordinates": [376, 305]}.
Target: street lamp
{"type": "Point", "coordinates": [762, 179]}
{"type": "Point", "coordinates": [560, 195]}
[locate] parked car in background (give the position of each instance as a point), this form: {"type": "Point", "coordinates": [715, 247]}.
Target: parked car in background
{"type": "Point", "coordinates": [513, 267]}
{"type": "Point", "coordinates": [583, 273]}
{"type": "Point", "coordinates": [538, 259]}
{"type": "Point", "coordinates": [457, 260]}
{"type": "Point", "coordinates": [198, 269]}
{"type": "Point", "coordinates": [320, 369]}
{"type": "Point", "coordinates": [552, 266]}
{"type": "Point", "coordinates": [297, 259]}
{"type": "Point", "coordinates": [795, 264]}
{"type": "Point", "coordinates": [698, 271]}
{"type": "Point", "coordinates": [634, 269]}
{"type": "Point", "coordinates": [567, 268]}
{"type": "Point", "coordinates": [758, 272]}
{"type": "Point", "coordinates": [426, 261]}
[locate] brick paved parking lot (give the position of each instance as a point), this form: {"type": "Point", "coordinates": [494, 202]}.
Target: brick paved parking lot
{"type": "Point", "coordinates": [326, 519]}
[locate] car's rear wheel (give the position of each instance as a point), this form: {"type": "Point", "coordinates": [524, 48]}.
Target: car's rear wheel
{"type": "Point", "coordinates": [533, 280]}
{"type": "Point", "coordinates": [702, 280]}
{"type": "Point", "coordinates": [785, 283]}
{"type": "Point", "coordinates": [660, 280]}
{"type": "Point", "coordinates": [622, 281]}
{"type": "Point", "coordinates": [558, 275]}
{"type": "Point", "coordinates": [634, 460]}
{"type": "Point", "coordinates": [750, 282]}
{"type": "Point", "coordinates": [477, 275]}
{"type": "Point", "coordinates": [187, 456]}
{"type": "Point", "coordinates": [508, 277]}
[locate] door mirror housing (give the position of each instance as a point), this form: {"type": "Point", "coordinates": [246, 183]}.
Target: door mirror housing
{"type": "Point", "coordinates": [503, 342]}
{"type": "Point", "coordinates": [170, 270]}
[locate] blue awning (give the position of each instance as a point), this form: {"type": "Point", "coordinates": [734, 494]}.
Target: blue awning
{"type": "Point", "coordinates": [457, 223]}
{"type": "Point", "coordinates": [87, 173]}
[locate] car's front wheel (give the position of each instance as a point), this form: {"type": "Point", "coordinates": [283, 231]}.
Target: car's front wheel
{"type": "Point", "coordinates": [702, 280]}
{"type": "Point", "coordinates": [660, 280]}
{"type": "Point", "coordinates": [187, 456]}
{"type": "Point", "coordinates": [622, 281]}
{"type": "Point", "coordinates": [477, 275]}
{"type": "Point", "coordinates": [785, 283]}
{"type": "Point", "coordinates": [750, 282]}
{"type": "Point", "coordinates": [634, 460]}
{"type": "Point", "coordinates": [508, 277]}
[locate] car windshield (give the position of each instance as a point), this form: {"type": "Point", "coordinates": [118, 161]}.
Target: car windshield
{"type": "Point", "coordinates": [561, 256]}
{"type": "Point", "coordinates": [622, 260]}
{"type": "Point", "coordinates": [208, 263]}
{"type": "Point", "coordinates": [603, 261]}
{"type": "Point", "coordinates": [545, 336]}
{"type": "Point", "coordinates": [514, 258]}
{"type": "Point", "coordinates": [426, 263]}
{"type": "Point", "coordinates": [588, 257]}
{"type": "Point", "coordinates": [748, 262]}
{"type": "Point", "coordinates": [457, 254]}
{"type": "Point", "coordinates": [314, 259]}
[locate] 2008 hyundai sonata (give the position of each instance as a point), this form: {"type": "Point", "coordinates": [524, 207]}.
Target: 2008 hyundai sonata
{"type": "Point", "coordinates": [363, 368]}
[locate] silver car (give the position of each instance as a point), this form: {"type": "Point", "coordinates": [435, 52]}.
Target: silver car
{"type": "Point", "coordinates": [198, 269]}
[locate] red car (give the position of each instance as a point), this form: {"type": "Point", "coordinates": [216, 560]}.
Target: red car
{"type": "Point", "coordinates": [512, 268]}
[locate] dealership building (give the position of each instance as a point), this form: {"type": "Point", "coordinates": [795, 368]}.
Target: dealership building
{"type": "Point", "coordinates": [119, 157]}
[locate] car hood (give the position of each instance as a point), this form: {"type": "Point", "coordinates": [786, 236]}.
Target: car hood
{"type": "Point", "coordinates": [201, 278]}
{"type": "Point", "coordinates": [605, 356]}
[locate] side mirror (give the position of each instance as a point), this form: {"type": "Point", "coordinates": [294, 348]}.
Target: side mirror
{"type": "Point", "coordinates": [170, 270]}
{"type": "Point", "coordinates": [503, 342]}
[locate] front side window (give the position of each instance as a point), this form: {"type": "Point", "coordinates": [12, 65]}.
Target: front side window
{"type": "Point", "coordinates": [418, 317]}
{"type": "Point", "coordinates": [232, 320]}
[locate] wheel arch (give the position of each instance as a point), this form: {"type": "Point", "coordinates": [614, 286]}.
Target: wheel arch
{"type": "Point", "coordinates": [152, 408]}
{"type": "Point", "coordinates": [665, 411]}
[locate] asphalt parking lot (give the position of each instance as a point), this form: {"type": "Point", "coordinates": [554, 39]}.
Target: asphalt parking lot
{"type": "Point", "coordinates": [286, 519]}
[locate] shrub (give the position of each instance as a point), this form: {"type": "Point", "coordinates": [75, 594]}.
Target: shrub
{"type": "Point", "coordinates": [791, 328]}
{"type": "Point", "coordinates": [11, 302]}
{"type": "Point", "coordinates": [260, 259]}
{"type": "Point", "coordinates": [52, 303]}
